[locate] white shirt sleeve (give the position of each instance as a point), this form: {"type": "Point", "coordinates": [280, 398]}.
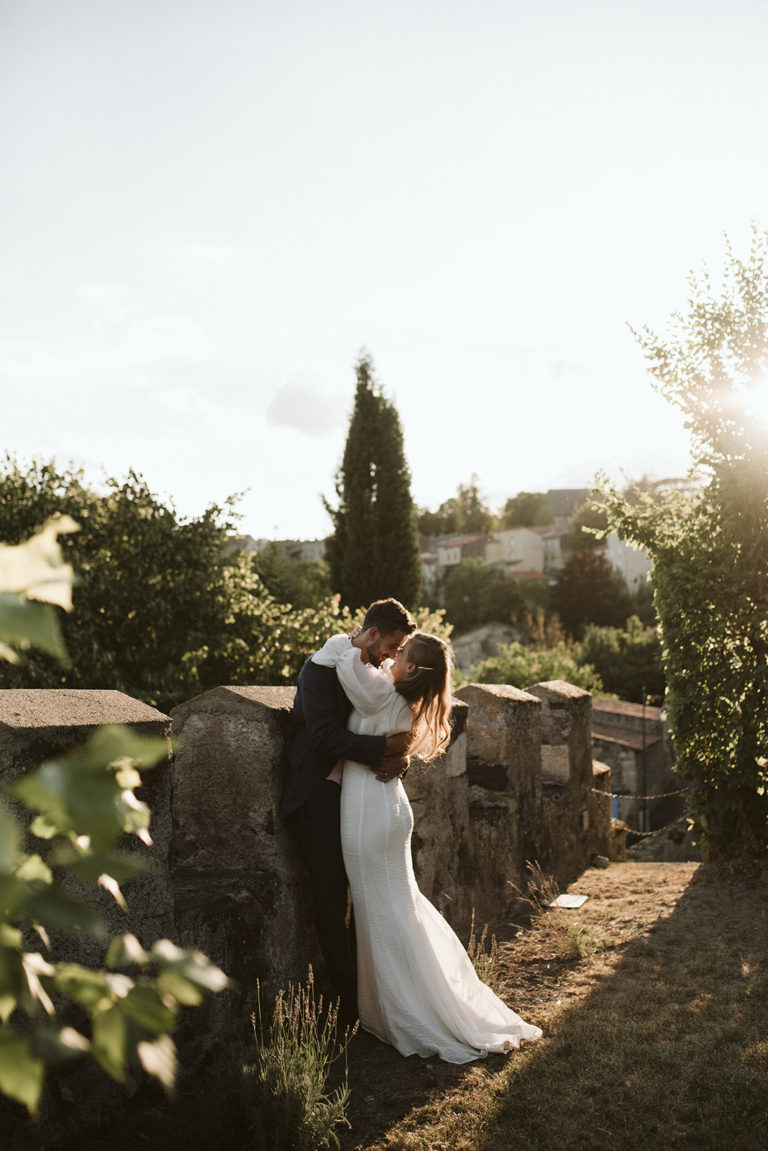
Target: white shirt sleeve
{"type": "Point", "coordinates": [329, 653]}
{"type": "Point", "coordinates": [369, 689]}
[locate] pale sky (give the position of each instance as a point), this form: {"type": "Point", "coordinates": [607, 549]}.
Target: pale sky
{"type": "Point", "coordinates": [209, 206]}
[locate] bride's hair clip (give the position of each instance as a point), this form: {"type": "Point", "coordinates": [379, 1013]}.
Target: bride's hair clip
{"type": "Point", "coordinates": [423, 667]}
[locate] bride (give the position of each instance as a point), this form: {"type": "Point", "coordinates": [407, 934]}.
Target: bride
{"type": "Point", "coordinates": [417, 988]}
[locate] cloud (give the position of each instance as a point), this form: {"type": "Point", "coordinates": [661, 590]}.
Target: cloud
{"type": "Point", "coordinates": [307, 408]}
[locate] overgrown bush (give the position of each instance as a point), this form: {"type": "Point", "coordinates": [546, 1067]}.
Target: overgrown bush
{"type": "Point", "coordinates": [523, 666]}
{"type": "Point", "coordinates": [85, 804]}
{"type": "Point", "coordinates": [710, 552]}
{"type": "Point", "coordinates": [628, 660]}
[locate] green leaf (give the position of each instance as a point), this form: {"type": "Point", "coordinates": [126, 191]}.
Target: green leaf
{"type": "Point", "coordinates": [43, 827]}
{"type": "Point", "coordinates": [59, 1045]}
{"type": "Point", "coordinates": [33, 869]}
{"type": "Point", "coordinates": [126, 951]}
{"type": "Point", "coordinates": [113, 887]}
{"type": "Point", "coordinates": [91, 989]}
{"type": "Point", "coordinates": [170, 982]}
{"type": "Point", "coordinates": [24, 624]}
{"type": "Point", "coordinates": [119, 864]}
{"type": "Point", "coordinates": [10, 841]}
{"type": "Point", "coordinates": [80, 793]}
{"type": "Point", "coordinates": [115, 744]}
{"type": "Point", "coordinates": [110, 1038]}
{"type": "Point", "coordinates": [36, 568]}
{"type": "Point", "coordinates": [159, 1059]}
{"type": "Point", "coordinates": [21, 1072]}
{"type": "Point", "coordinates": [192, 965]}
{"type": "Point", "coordinates": [144, 1006]}
{"type": "Point", "coordinates": [55, 907]}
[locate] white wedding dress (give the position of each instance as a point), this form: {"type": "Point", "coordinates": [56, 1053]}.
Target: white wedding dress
{"type": "Point", "coordinates": [417, 988]}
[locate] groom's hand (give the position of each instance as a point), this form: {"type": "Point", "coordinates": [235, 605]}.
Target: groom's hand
{"type": "Point", "coordinates": [395, 761]}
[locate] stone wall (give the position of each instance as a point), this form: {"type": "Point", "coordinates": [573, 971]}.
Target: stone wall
{"type": "Point", "coordinates": [36, 725]}
{"type": "Point", "coordinates": [516, 785]}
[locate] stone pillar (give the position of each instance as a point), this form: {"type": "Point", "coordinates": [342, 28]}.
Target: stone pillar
{"type": "Point", "coordinates": [441, 843]}
{"type": "Point", "coordinates": [504, 773]}
{"type": "Point", "coordinates": [37, 724]}
{"type": "Point", "coordinates": [567, 774]}
{"type": "Point", "coordinates": [239, 889]}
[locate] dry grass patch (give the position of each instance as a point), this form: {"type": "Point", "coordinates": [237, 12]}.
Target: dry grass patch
{"type": "Point", "coordinates": [655, 1013]}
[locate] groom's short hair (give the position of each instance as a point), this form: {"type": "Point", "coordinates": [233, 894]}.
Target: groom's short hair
{"type": "Point", "coordinates": [389, 616]}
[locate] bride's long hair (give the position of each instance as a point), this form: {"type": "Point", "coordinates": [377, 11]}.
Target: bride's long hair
{"type": "Point", "coordinates": [427, 689]}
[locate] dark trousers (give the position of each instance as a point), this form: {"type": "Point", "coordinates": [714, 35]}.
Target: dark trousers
{"type": "Point", "coordinates": [316, 826]}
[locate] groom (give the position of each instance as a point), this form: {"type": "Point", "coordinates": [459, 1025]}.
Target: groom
{"type": "Point", "coordinates": [312, 794]}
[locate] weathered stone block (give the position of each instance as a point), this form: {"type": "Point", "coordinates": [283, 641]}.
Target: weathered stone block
{"type": "Point", "coordinates": [37, 724]}
{"type": "Point", "coordinates": [240, 891]}
{"type": "Point", "coordinates": [504, 763]}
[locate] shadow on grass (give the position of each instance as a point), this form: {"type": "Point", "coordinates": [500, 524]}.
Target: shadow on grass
{"type": "Point", "coordinates": [669, 1051]}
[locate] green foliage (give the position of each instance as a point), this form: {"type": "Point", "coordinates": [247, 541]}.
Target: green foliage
{"type": "Point", "coordinates": [85, 803]}
{"type": "Point", "coordinates": [465, 513]}
{"type": "Point", "coordinates": [710, 551]}
{"type": "Point", "coordinates": [157, 610]}
{"type": "Point", "coordinates": [151, 597]}
{"type": "Point", "coordinates": [527, 509]}
{"type": "Point", "coordinates": [474, 593]}
{"type": "Point", "coordinates": [33, 579]}
{"type": "Point", "coordinates": [628, 660]}
{"type": "Point", "coordinates": [588, 590]}
{"type": "Point", "coordinates": [590, 517]}
{"type": "Point", "coordinates": [295, 1052]}
{"type": "Point", "coordinates": [297, 583]}
{"type": "Point", "coordinates": [523, 666]}
{"type": "Point", "coordinates": [534, 595]}
{"type": "Point", "coordinates": [374, 549]}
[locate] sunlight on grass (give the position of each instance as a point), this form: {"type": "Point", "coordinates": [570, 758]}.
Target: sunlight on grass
{"type": "Point", "coordinates": [654, 1037]}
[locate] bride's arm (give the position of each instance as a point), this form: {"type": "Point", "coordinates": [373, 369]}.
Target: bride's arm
{"type": "Point", "coordinates": [367, 688]}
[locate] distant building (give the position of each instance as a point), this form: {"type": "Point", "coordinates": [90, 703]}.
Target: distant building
{"type": "Point", "coordinates": [247, 545]}
{"type": "Point", "coordinates": [565, 502]}
{"type": "Point", "coordinates": [634, 563]}
{"type": "Point", "coordinates": [515, 550]}
{"type": "Point", "coordinates": [451, 550]}
{"type": "Point", "coordinates": [553, 543]}
{"type": "Point", "coordinates": [634, 741]}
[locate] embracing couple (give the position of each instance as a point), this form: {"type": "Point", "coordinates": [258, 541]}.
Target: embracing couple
{"type": "Point", "coordinates": [363, 703]}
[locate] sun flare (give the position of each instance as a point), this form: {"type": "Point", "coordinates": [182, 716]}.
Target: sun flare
{"type": "Point", "coordinates": [755, 401]}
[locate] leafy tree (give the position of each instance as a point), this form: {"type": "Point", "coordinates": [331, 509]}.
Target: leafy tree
{"type": "Point", "coordinates": [523, 666]}
{"type": "Point", "coordinates": [85, 805]}
{"type": "Point", "coordinates": [466, 512]}
{"type": "Point", "coordinates": [374, 549]}
{"type": "Point", "coordinates": [527, 509]}
{"type": "Point", "coordinates": [474, 594]}
{"type": "Point", "coordinates": [710, 551]}
{"type": "Point", "coordinates": [151, 595]}
{"type": "Point", "coordinates": [588, 590]}
{"type": "Point", "coordinates": [589, 517]}
{"type": "Point", "coordinates": [298, 583]}
{"type": "Point", "coordinates": [628, 660]}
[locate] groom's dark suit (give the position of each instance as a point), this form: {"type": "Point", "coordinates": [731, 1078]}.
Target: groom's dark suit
{"type": "Point", "coordinates": [311, 804]}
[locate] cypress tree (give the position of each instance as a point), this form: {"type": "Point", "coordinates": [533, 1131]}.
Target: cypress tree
{"type": "Point", "coordinates": [374, 549]}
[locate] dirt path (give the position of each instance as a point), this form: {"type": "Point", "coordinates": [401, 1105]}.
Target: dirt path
{"type": "Point", "coordinates": [547, 972]}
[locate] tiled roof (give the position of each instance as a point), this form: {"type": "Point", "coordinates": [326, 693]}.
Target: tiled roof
{"type": "Point", "coordinates": [624, 736]}
{"type": "Point", "coordinates": [619, 707]}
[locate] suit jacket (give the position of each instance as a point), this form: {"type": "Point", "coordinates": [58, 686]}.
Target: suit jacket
{"type": "Point", "coordinates": [320, 736]}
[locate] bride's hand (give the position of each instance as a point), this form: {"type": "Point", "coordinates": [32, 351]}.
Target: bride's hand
{"type": "Point", "coordinates": [387, 772]}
